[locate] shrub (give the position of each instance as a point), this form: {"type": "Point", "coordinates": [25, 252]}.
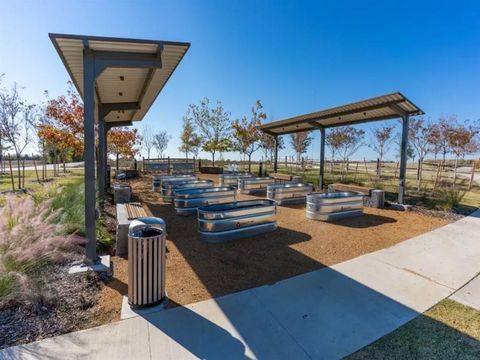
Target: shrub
{"type": "Point", "coordinates": [71, 201]}
{"type": "Point", "coordinates": [29, 243]}
{"type": "Point", "coordinates": [450, 198]}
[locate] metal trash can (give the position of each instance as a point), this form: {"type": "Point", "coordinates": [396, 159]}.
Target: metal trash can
{"type": "Point", "coordinates": [122, 193]}
{"type": "Point", "coordinates": [146, 261]}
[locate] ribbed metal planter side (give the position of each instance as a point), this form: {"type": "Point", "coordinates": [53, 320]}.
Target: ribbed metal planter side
{"type": "Point", "coordinates": [289, 193]}
{"type": "Point", "coordinates": [232, 178]}
{"type": "Point", "coordinates": [235, 220]}
{"type": "Point", "coordinates": [334, 205]}
{"type": "Point", "coordinates": [146, 262]}
{"type": "Point", "coordinates": [169, 187]}
{"type": "Point", "coordinates": [254, 184]}
{"type": "Point", "coordinates": [186, 201]}
{"type": "Point", "coordinates": [157, 180]}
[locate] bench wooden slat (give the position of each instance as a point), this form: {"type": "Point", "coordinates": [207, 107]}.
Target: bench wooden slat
{"type": "Point", "coordinates": [135, 210]}
{"type": "Point", "coordinates": [279, 176]}
{"type": "Point", "coordinates": [345, 187]}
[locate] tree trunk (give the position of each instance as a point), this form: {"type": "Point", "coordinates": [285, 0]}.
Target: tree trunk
{"type": "Point", "coordinates": [419, 174]}
{"type": "Point", "coordinates": [213, 158]}
{"type": "Point", "coordinates": [116, 161]}
{"type": "Point", "coordinates": [249, 163]}
{"type": "Point", "coordinates": [19, 172]}
{"type": "Point", "coordinates": [455, 171]}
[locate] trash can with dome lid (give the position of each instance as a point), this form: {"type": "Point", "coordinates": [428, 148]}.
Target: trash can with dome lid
{"type": "Point", "coordinates": [146, 261]}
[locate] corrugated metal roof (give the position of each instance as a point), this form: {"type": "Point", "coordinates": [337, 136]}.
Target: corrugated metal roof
{"type": "Point", "coordinates": [116, 84]}
{"type": "Point", "coordinates": [384, 107]}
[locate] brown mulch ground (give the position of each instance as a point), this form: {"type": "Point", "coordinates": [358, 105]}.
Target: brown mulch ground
{"type": "Point", "coordinates": [68, 303]}
{"type": "Point", "coordinates": [197, 271]}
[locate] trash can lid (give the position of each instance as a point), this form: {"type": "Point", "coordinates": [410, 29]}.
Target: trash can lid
{"type": "Point", "coordinates": [147, 226]}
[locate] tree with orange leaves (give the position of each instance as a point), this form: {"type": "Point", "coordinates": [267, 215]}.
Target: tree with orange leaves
{"type": "Point", "coordinates": [63, 128]}
{"type": "Point", "coordinates": [123, 142]}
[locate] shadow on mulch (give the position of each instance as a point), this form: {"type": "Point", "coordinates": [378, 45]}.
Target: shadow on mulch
{"type": "Point", "coordinates": [366, 221]}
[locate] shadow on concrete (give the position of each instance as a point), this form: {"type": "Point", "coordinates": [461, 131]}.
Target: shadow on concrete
{"type": "Point", "coordinates": [198, 335]}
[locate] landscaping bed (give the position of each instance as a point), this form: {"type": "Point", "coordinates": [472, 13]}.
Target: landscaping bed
{"type": "Point", "coordinates": [68, 303]}
{"type": "Point", "coordinates": [41, 236]}
{"type": "Point", "coordinates": [198, 271]}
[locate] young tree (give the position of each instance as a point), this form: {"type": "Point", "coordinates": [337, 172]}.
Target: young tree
{"type": "Point", "coordinates": [246, 134]}
{"type": "Point", "coordinates": [439, 135]}
{"type": "Point", "coordinates": [147, 140]}
{"type": "Point", "coordinates": [190, 141]}
{"type": "Point", "coordinates": [419, 134]}
{"type": "Point", "coordinates": [462, 140]}
{"type": "Point", "coordinates": [382, 141]}
{"type": "Point", "coordinates": [16, 123]}
{"type": "Point", "coordinates": [213, 124]}
{"type": "Point", "coordinates": [352, 141]}
{"type": "Point", "coordinates": [267, 144]}
{"type": "Point", "coordinates": [123, 142]}
{"type": "Point", "coordinates": [334, 140]}
{"type": "Point", "coordinates": [300, 142]}
{"type": "Point", "coordinates": [61, 127]}
{"type": "Point", "coordinates": [160, 142]}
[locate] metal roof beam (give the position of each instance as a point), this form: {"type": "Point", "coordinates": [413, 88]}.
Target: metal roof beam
{"type": "Point", "coordinates": [112, 124]}
{"type": "Point", "coordinates": [316, 125]}
{"type": "Point", "coordinates": [120, 59]}
{"type": "Point", "coordinates": [401, 112]}
{"type": "Point", "coordinates": [109, 107]}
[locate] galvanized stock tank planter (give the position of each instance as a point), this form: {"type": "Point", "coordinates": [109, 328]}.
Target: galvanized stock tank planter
{"type": "Point", "coordinates": [231, 179]}
{"type": "Point", "coordinates": [169, 187]}
{"type": "Point", "coordinates": [187, 201]}
{"type": "Point", "coordinates": [334, 205]}
{"type": "Point", "coordinates": [157, 180]}
{"type": "Point", "coordinates": [235, 220]}
{"type": "Point", "coordinates": [250, 185]}
{"type": "Point", "coordinates": [289, 193]}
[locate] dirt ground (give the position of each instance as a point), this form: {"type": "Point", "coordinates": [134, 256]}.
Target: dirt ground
{"type": "Point", "coordinates": [197, 271]}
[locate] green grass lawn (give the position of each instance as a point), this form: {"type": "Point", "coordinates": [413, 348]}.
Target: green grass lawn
{"type": "Point", "coordinates": [448, 330]}
{"type": "Point", "coordinates": [32, 183]}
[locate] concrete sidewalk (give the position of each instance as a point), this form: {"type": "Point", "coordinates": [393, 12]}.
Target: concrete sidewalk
{"type": "Point", "coordinates": [325, 314]}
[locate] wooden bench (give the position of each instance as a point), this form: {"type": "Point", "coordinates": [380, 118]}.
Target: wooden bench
{"type": "Point", "coordinates": [135, 210]}
{"type": "Point", "coordinates": [283, 177]}
{"type": "Point", "coordinates": [125, 214]}
{"type": "Point", "coordinates": [346, 187]}
{"type": "Point", "coordinates": [374, 198]}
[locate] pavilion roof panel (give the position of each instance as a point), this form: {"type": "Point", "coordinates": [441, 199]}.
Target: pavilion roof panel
{"type": "Point", "coordinates": [384, 107]}
{"type": "Point", "coordinates": [119, 84]}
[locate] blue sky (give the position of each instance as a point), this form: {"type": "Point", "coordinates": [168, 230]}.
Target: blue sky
{"type": "Point", "coordinates": [296, 56]}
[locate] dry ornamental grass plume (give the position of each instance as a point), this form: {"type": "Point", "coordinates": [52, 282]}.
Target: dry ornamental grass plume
{"type": "Point", "coordinates": [29, 243]}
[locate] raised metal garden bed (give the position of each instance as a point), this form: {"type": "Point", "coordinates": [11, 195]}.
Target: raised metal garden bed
{"type": "Point", "coordinates": [250, 185]}
{"type": "Point", "coordinates": [186, 201]}
{"type": "Point", "coordinates": [334, 205]}
{"type": "Point", "coordinates": [289, 193]}
{"type": "Point", "coordinates": [157, 180]}
{"type": "Point", "coordinates": [231, 179]}
{"type": "Point", "coordinates": [170, 186]}
{"type": "Point", "coordinates": [234, 220]}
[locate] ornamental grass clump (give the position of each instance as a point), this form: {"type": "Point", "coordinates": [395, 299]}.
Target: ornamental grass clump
{"type": "Point", "coordinates": [29, 244]}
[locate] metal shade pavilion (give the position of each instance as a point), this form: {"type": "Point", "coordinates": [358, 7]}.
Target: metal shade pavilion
{"type": "Point", "coordinates": [390, 106]}
{"type": "Point", "coordinates": [118, 80]}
